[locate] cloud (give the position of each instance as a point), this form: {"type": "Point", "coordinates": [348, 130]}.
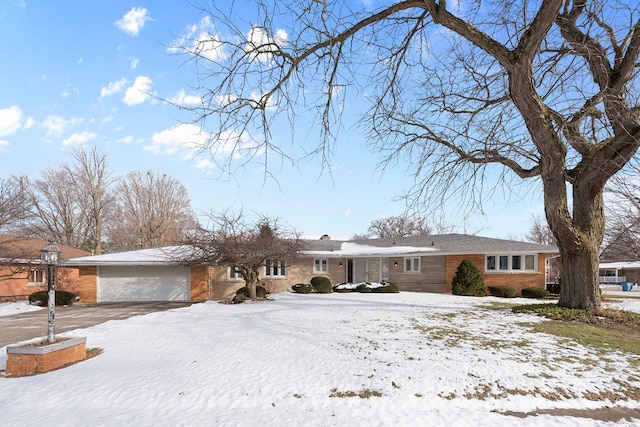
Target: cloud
{"type": "Point", "coordinates": [181, 98]}
{"type": "Point", "coordinates": [139, 91]}
{"type": "Point", "coordinates": [10, 119]}
{"type": "Point", "coordinates": [113, 87]}
{"type": "Point", "coordinates": [133, 21]}
{"type": "Point", "coordinates": [78, 138]}
{"type": "Point", "coordinates": [54, 126]}
{"type": "Point", "coordinates": [200, 40]}
{"type": "Point", "coordinates": [261, 45]}
{"type": "Point", "coordinates": [128, 140]}
{"type": "Point", "coordinates": [183, 138]}
{"type": "Point", "coordinates": [134, 62]}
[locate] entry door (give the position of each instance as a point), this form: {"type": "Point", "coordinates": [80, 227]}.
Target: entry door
{"type": "Point", "coordinates": [350, 270]}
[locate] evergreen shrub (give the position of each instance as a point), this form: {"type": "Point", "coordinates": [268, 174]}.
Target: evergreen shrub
{"type": "Point", "coordinates": [468, 281]}
{"type": "Point", "coordinates": [302, 288]}
{"type": "Point", "coordinates": [386, 288]}
{"type": "Point", "coordinates": [41, 298]}
{"type": "Point", "coordinates": [321, 285]}
{"type": "Point", "coordinates": [503, 291]}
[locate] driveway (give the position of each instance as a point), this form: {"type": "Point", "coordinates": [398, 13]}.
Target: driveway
{"type": "Point", "coordinates": [26, 326]}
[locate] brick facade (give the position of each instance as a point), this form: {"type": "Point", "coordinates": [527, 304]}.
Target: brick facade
{"type": "Point", "coordinates": [29, 360]}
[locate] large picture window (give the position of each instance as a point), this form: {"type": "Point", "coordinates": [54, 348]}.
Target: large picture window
{"type": "Point", "coordinates": [514, 262]}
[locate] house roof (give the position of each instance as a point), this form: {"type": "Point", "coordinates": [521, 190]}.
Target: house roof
{"type": "Point", "coordinates": [442, 244]}
{"type": "Point", "coordinates": [153, 256]}
{"type": "Point", "coordinates": [15, 249]}
{"type": "Point", "coordinates": [447, 244]}
{"type": "Point", "coordinates": [620, 265]}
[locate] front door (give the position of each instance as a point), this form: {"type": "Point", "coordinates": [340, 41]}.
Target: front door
{"type": "Point", "coordinates": [350, 270]}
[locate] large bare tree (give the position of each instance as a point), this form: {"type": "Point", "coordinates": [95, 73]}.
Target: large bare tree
{"type": "Point", "coordinates": [92, 178]}
{"type": "Point", "coordinates": [14, 208]}
{"type": "Point", "coordinates": [246, 245]}
{"type": "Point", "coordinates": [543, 93]}
{"type": "Point", "coordinates": [622, 237]}
{"type": "Point", "coordinates": [152, 210]}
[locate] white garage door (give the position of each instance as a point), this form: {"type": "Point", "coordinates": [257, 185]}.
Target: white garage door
{"type": "Point", "coordinates": [132, 283]}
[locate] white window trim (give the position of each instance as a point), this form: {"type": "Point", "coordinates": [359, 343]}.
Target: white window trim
{"type": "Point", "coordinates": [281, 264]}
{"type": "Point", "coordinates": [237, 277]}
{"type": "Point", "coordinates": [44, 277]}
{"type": "Point", "coordinates": [523, 263]}
{"type": "Point", "coordinates": [413, 264]}
{"type": "Point", "coordinates": [322, 262]}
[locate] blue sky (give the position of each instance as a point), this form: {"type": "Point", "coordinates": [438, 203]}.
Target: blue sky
{"type": "Point", "coordinates": [94, 73]}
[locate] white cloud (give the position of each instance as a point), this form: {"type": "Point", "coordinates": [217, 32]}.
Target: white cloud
{"type": "Point", "coordinates": [128, 140]}
{"type": "Point", "coordinates": [261, 45]}
{"type": "Point", "coordinates": [29, 123]}
{"type": "Point", "coordinates": [10, 119]}
{"type": "Point", "coordinates": [78, 138]}
{"type": "Point", "coordinates": [113, 87]}
{"type": "Point", "coordinates": [181, 98]}
{"type": "Point", "coordinates": [201, 40]}
{"type": "Point", "coordinates": [3, 143]}
{"type": "Point", "coordinates": [133, 21]}
{"type": "Point", "coordinates": [183, 138]}
{"type": "Point", "coordinates": [134, 62]}
{"type": "Point", "coordinates": [139, 91]}
{"type": "Point", "coordinates": [55, 125]}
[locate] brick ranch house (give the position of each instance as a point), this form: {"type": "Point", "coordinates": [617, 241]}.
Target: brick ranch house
{"type": "Point", "coordinates": [417, 264]}
{"type": "Point", "coordinates": [21, 271]}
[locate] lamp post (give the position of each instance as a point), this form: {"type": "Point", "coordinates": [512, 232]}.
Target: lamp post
{"type": "Point", "coordinates": [50, 255]}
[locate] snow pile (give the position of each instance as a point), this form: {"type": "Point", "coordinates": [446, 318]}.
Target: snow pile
{"type": "Point", "coordinates": [343, 359]}
{"type": "Point", "coordinates": [11, 308]}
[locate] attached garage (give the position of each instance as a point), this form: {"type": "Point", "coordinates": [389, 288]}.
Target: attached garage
{"type": "Point", "coordinates": [143, 283]}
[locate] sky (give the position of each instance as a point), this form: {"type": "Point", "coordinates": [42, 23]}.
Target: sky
{"type": "Point", "coordinates": [423, 359]}
{"type": "Point", "coordinates": [96, 73]}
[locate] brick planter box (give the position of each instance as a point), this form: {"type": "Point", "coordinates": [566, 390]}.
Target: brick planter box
{"type": "Point", "coordinates": [29, 359]}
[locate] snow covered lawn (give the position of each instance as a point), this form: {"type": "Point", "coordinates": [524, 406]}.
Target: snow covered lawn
{"type": "Point", "coordinates": [11, 308]}
{"type": "Point", "coordinates": [408, 359]}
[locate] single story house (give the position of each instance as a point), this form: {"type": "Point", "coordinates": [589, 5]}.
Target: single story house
{"type": "Point", "coordinates": [416, 263]}
{"type": "Point", "coordinates": [617, 272]}
{"type": "Point", "coordinates": [22, 273]}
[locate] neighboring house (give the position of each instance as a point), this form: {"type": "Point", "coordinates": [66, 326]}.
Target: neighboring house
{"type": "Point", "coordinates": [419, 264]}
{"type": "Point", "coordinates": [617, 272]}
{"type": "Point", "coordinates": [21, 271]}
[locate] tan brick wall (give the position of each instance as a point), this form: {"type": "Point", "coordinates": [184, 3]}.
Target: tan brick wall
{"type": "Point", "coordinates": [88, 287]}
{"type": "Point", "coordinates": [15, 281]}
{"type": "Point", "coordinates": [199, 278]}
{"type": "Point", "coordinates": [516, 279]}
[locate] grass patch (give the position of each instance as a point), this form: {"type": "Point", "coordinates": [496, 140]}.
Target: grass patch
{"type": "Point", "coordinates": [613, 330]}
{"type": "Point", "coordinates": [497, 305]}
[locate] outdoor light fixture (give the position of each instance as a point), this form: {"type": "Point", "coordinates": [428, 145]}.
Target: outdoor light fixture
{"type": "Point", "coordinates": [395, 264]}
{"type": "Point", "coordinates": [50, 255]}
{"type": "Point", "coordinates": [340, 264]}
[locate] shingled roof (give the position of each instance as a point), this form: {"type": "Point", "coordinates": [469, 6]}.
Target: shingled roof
{"type": "Point", "coordinates": [23, 250]}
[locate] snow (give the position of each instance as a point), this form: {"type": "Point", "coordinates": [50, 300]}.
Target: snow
{"type": "Point", "coordinates": [11, 308]}
{"type": "Point", "coordinates": [433, 359]}
{"type": "Point", "coordinates": [350, 249]}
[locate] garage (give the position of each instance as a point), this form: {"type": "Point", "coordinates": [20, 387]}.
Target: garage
{"type": "Point", "coordinates": [142, 283]}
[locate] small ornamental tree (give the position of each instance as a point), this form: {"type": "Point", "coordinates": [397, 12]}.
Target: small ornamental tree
{"type": "Point", "coordinates": [468, 280]}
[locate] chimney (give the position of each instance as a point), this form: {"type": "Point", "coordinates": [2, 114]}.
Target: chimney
{"type": "Point", "coordinates": [325, 237]}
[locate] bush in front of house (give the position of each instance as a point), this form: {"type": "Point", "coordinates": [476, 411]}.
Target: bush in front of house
{"type": "Point", "coordinates": [468, 281]}
{"type": "Point", "coordinates": [386, 288]}
{"type": "Point", "coordinates": [535, 293]}
{"type": "Point", "coordinates": [302, 288]}
{"type": "Point", "coordinates": [41, 298]}
{"type": "Point", "coordinates": [321, 285]}
{"type": "Point", "coordinates": [341, 288]}
{"type": "Point", "coordinates": [503, 291]}
{"type": "Point", "coordinates": [261, 292]}
{"type": "Point", "coordinates": [363, 288]}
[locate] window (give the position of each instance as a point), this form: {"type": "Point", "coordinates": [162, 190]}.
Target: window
{"type": "Point", "coordinates": [516, 262]}
{"type": "Point", "coordinates": [412, 265]}
{"type": "Point", "coordinates": [320, 265]}
{"type": "Point", "coordinates": [275, 269]}
{"type": "Point", "coordinates": [384, 269]}
{"type": "Point", "coordinates": [37, 277]}
{"type": "Point", "coordinates": [233, 274]}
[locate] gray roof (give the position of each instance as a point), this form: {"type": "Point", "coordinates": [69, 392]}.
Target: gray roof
{"type": "Point", "coordinates": [444, 244]}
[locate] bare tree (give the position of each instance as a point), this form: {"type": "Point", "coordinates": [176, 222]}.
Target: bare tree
{"type": "Point", "coordinates": [396, 226]}
{"type": "Point", "coordinates": [151, 211]}
{"type": "Point", "coordinates": [92, 178]}
{"type": "Point", "coordinates": [540, 232]}
{"type": "Point", "coordinates": [58, 210]}
{"type": "Point", "coordinates": [622, 237]}
{"type": "Point", "coordinates": [234, 241]}
{"type": "Point", "coordinates": [543, 92]}
{"type": "Point", "coordinates": [13, 205]}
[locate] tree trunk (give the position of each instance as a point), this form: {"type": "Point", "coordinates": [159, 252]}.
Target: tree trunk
{"type": "Point", "coordinates": [579, 237]}
{"type": "Point", "coordinates": [251, 279]}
